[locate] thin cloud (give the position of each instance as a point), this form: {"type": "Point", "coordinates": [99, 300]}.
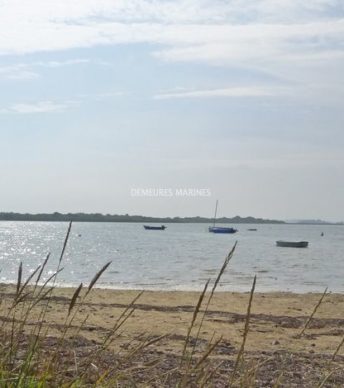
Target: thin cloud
{"type": "Point", "coordinates": [225, 92]}
{"type": "Point", "coordinates": [17, 72]}
{"type": "Point", "coordinates": [268, 43]}
{"type": "Point", "coordinates": [227, 31]}
{"type": "Point", "coordinates": [61, 63]}
{"type": "Point", "coordinates": [28, 71]}
{"type": "Point", "coordinates": [38, 107]}
{"type": "Point", "coordinates": [274, 37]}
{"type": "Point", "coordinates": [102, 96]}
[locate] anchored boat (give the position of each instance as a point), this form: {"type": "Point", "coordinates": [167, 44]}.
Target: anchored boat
{"type": "Point", "coordinates": [292, 244]}
{"type": "Point", "coordinates": [220, 229]}
{"type": "Point", "coordinates": [149, 227]}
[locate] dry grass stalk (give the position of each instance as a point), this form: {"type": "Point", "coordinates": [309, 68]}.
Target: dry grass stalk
{"type": "Point", "coordinates": [313, 312]}
{"type": "Point", "coordinates": [324, 381]}
{"type": "Point", "coordinates": [124, 316]}
{"type": "Point", "coordinates": [217, 280]}
{"type": "Point", "coordinates": [142, 345]}
{"type": "Point", "coordinates": [96, 277]}
{"type": "Point", "coordinates": [194, 316]}
{"type": "Point", "coordinates": [42, 270]}
{"type": "Point", "coordinates": [208, 376]}
{"type": "Point", "coordinates": [20, 274]}
{"type": "Point", "coordinates": [208, 352]}
{"type": "Point", "coordinates": [338, 349]}
{"type": "Point", "coordinates": [246, 328]}
{"type": "Point", "coordinates": [110, 337]}
{"type": "Point", "coordinates": [74, 298]}
{"type": "Point", "coordinates": [65, 243]}
{"type": "Point", "coordinates": [279, 380]}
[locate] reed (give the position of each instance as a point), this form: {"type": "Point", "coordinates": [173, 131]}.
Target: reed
{"type": "Point", "coordinates": [211, 347]}
{"type": "Point", "coordinates": [313, 313]}
{"type": "Point", "coordinates": [246, 329]}
{"type": "Point", "coordinates": [194, 316]}
{"type": "Point", "coordinates": [74, 298]}
{"type": "Point", "coordinates": [96, 277]}
{"type": "Point", "coordinates": [216, 282]}
{"type": "Point", "coordinates": [337, 349]}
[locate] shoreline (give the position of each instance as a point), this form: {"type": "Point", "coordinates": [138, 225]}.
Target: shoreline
{"type": "Point", "coordinates": [244, 290]}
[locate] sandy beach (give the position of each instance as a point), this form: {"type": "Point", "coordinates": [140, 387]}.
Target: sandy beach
{"type": "Point", "coordinates": [275, 324]}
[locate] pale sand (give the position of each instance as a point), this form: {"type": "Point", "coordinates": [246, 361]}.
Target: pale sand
{"type": "Point", "coordinates": [276, 319]}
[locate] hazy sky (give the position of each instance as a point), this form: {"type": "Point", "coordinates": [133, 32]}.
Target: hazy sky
{"type": "Point", "coordinates": [243, 98]}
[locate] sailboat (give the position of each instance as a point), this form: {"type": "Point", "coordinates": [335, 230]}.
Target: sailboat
{"type": "Point", "coordinates": [220, 229]}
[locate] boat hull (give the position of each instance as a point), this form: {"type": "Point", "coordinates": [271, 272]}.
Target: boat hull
{"type": "Point", "coordinates": [148, 227]}
{"type": "Point", "coordinates": [220, 229]}
{"type": "Point", "coordinates": [292, 244]}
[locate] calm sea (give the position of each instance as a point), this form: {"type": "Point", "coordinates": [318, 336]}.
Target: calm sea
{"type": "Point", "coordinates": [183, 257]}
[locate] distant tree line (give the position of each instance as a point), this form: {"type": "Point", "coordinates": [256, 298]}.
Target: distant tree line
{"type": "Point", "coordinates": [98, 217]}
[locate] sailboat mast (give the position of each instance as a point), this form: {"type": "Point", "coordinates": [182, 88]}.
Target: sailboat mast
{"type": "Point", "coordinates": [215, 212]}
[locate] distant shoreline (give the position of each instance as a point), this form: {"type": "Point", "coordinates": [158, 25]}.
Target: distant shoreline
{"type": "Point", "coordinates": [97, 217]}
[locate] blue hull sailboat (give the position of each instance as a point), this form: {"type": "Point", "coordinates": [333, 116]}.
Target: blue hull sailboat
{"type": "Point", "coordinates": [220, 229]}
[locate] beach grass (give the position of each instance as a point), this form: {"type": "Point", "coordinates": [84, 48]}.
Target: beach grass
{"type": "Point", "coordinates": [49, 338]}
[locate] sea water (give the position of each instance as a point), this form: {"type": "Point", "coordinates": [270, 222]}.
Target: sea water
{"type": "Point", "coordinates": [183, 257]}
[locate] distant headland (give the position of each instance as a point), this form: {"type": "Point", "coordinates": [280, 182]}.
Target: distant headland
{"type": "Point", "coordinates": [98, 217]}
{"type": "Point", "coordinates": [314, 222]}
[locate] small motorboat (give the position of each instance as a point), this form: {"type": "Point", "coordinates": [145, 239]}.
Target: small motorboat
{"type": "Point", "coordinates": [221, 229]}
{"type": "Point", "coordinates": [252, 229]}
{"type": "Point", "coordinates": [292, 244]}
{"type": "Point", "coordinates": [149, 227]}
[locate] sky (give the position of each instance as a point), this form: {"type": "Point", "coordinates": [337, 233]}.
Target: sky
{"type": "Point", "coordinates": [108, 105]}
